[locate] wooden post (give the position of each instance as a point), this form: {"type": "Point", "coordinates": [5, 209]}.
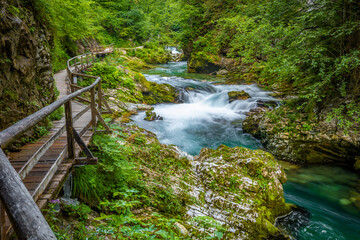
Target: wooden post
{"type": "Point", "coordinates": [71, 78]}
{"type": "Point", "coordinates": [25, 216]}
{"type": "Point", "coordinates": [2, 222]}
{"type": "Point", "coordinates": [69, 130]}
{"type": "Point", "coordinates": [93, 109]}
{"type": "Point", "coordinates": [76, 66]}
{"type": "Point", "coordinates": [81, 63]}
{"type": "Point", "coordinates": [93, 57]}
{"type": "Point", "coordinates": [99, 97]}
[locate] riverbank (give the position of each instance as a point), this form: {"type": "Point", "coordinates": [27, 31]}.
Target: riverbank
{"type": "Point", "coordinates": [142, 188]}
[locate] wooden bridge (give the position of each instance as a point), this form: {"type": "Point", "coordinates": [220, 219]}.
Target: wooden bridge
{"type": "Point", "coordinates": [34, 175]}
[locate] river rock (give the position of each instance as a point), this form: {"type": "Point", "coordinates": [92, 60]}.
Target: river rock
{"type": "Point", "coordinates": [242, 190]}
{"type": "Point", "coordinates": [238, 95]}
{"type": "Point", "coordinates": [151, 116]}
{"type": "Point", "coordinates": [182, 229]}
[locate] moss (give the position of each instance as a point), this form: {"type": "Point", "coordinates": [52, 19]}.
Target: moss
{"type": "Point", "coordinates": [160, 93]}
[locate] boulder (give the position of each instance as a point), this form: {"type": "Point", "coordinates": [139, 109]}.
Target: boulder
{"type": "Point", "coordinates": [301, 140]}
{"type": "Point", "coordinates": [238, 95]}
{"type": "Point", "coordinates": [242, 189]}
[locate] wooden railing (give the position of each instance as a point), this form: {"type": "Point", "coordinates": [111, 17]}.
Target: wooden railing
{"type": "Point", "coordinates": [101, 48]}
{"type": "Point", "coordinates": [25, 217]}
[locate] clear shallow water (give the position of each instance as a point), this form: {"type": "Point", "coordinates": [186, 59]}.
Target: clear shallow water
{"type": "Point", "coordinates": [326, 192]}
{"type": "Point", "coordinates": [207, 119]}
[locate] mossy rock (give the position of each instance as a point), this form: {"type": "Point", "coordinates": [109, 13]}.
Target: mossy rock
{"type": "Point", "coordinates": [151, 116]}
{"type": "Point", "coordinates": [160, 93]}
{"type": "Point", "coordinates": [238, 95]}
{"type": "Point", "coordinates": [248, 185]}
{"type": "Point", "coordinates": [142, 84]}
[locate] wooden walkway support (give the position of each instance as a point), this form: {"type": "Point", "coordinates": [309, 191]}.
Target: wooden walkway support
{"type": "Point", "coordinates": [29, 178]}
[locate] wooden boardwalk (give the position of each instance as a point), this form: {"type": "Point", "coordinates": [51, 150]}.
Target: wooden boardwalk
{"type": "Point", "coordinates": [37, 174]}
{"type": "Point", "coordinates": [43, 166]}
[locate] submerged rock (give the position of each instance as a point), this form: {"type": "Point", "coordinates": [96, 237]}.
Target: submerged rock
{"type": "Point", "coordinates": [293, 222]}
{"type": "Point", "coordinates": [238, 95]}
{"type": "Point", "coordinates": [241, 189]}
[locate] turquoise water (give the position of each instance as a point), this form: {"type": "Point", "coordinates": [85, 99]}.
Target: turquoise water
{"type": "Point", "coordinates": [326, 192]}
{"type": "Point", "coordinates": [207, 119]}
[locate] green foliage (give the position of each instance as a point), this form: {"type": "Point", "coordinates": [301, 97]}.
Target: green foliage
{"type": "Point", "coordinates": [308, 46]}
{"type": "Point", "coordinates": [80, 212]}
{"type": "Point", "coordinates": [111, 76]}
{"type": "Point", "coordinates": [126, 23]}
{"type": "Point", "coordinates": [152, 53]}
{"type": "Point", "coordinates": [117, 188]}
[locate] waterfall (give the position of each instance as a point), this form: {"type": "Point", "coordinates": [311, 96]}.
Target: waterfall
{"type": "Point", "coordinates": [204, 117]}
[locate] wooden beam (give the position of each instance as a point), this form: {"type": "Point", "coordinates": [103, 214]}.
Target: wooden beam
{"type": "Point", "coordinates": [102, 121]}
{"type": "Point", "coordinates": [93, 109]}
{"type": "Point", "coordinates": [76, 86]}
{"type": "Point", "coordinates": [85, 75]}
{"type": "Point", "coordinates": [82, 145]}
{"type": "Point", "coordinates": [109, 110]}
{"type": "Point", "coordinates": [85, 161]}
{"type": "Point", "coordinates": [83, 99]}
{"type": "Point", "coordinates": [25, 216]}
{"type": "Point", "coordinates": [99, 96]}
{"type": "Point", "coordinates": [69, 131]}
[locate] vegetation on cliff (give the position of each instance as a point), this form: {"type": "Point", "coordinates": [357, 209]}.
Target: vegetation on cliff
{"type": "Point", "coordinates": [307, 47]}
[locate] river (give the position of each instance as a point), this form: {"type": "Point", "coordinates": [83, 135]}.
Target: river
{"type": "Point", "coordinates": [207, 119]}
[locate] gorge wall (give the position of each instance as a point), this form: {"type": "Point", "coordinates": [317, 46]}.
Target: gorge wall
{"type": "Point", "coordinates": [26, 81]}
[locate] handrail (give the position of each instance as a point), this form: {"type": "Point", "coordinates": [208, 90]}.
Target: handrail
{"type": "Point", "coordinates": [26, 218]}
{"type": "Point", "coordinates": [7, 135]}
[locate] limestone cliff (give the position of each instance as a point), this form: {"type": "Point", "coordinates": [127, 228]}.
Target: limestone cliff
{"type": "Point", "coordinates": [302, 141]}
{"type": "Point", "coordinates": [26, 81]}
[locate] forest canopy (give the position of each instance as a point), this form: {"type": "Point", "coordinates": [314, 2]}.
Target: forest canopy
{"type": "Point", "coordinates": [310, 47]}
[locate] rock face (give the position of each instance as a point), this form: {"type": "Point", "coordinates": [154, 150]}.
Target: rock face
{"type": "Point", "coordinates": [295, 140]}
{"type": "Point", "coordinates": [26, 82]}
{"type": "Point", "coordinates": [241, 189]}
{"type": "Point", "coordinates": [237, 95]}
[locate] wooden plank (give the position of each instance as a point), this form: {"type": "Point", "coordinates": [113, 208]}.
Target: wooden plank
{"type": "Point", "coordinates": [42, 186]}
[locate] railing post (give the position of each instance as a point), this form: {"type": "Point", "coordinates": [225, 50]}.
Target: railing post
{"type": "Point", "coordinates": [99, 97]}
{"type": "Point", "coordinates": [93, 57]}
{"type": "Point", "coordinates": [76, 66]}
{"type": "Point", "coordinates": [69, 130]}
{"type": "Point", "coordinates": [93, 109]}
{"type": "Point", "coordinates": [2, 222]}
{"type": "Point", "coordinates": [81, 63]}
{"type": "Point", "coordinates": [87, 61]}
